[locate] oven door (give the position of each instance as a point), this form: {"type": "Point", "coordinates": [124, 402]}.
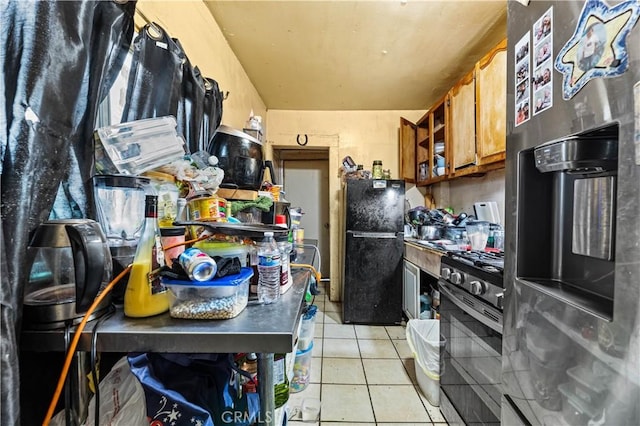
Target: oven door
{"type": "Point", "coordinates": [471, 373]}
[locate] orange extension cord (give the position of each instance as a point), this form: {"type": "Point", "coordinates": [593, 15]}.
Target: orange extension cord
{"type": "Point", "coordinates": [78, 332]}
{"type": "Point", "coordinates": [74, 344]}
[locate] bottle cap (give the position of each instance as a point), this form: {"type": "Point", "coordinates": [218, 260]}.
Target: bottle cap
{"type": "Point", "coordinates": [281, 220]}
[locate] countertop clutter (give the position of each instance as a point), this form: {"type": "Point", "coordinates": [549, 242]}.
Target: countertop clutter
{"type": "Point", "coordinates": [251, 331]}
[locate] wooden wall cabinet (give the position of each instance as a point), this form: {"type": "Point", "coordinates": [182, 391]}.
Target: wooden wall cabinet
{"type": "Point", "coordinates": [491, 111]}
{"type": "Point", "coordinates": [463, 122]}
{"type": "Point", "coordinates": [407, 150]}
{"type": "Point", "coordinates": [478, 114]}
{"type": "Point", "coordinates": [430, 136]}
{"type": "Point", "coordinates": [466, 127]}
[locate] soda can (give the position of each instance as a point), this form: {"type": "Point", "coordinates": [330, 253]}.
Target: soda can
{"type": "Point", "coordinates": [198, 265]}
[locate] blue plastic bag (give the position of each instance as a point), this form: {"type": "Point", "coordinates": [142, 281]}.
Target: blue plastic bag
{"type": "Point", "coordinates": [188, 389]}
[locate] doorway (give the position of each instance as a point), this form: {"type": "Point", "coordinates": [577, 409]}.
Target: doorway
{"type": "Point", "coordinates": [306, 185]}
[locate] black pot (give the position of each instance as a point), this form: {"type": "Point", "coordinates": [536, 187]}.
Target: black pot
{"type": "Point", "coordinates": [240, 156]}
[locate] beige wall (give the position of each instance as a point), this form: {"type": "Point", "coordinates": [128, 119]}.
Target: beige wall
{"type": "Point", "coordinates": [364, 135]}
{"type": "Point", "coordinates": [205, 46]}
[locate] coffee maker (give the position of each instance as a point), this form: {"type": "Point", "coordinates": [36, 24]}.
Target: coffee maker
{"type": "Point", "coordinates": [119, 203]}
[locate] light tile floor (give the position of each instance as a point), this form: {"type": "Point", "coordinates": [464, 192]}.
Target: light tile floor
{"type": "Point", "coordinates": [363, 375]}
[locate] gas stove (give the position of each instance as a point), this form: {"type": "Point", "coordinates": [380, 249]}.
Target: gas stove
{"type": "Point", "coordinates": [478, 273]}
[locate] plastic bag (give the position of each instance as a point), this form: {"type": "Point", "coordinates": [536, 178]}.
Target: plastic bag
{"type": "Point", "coordinates": [185, 389]}
{"type": "Point", "coordinates": [423, 337]}
{"type": "Point", "coordinates": [121, 400]}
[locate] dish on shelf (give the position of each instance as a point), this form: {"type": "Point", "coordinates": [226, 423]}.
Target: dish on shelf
{"type": "Point", "coordinates": [438, 147]}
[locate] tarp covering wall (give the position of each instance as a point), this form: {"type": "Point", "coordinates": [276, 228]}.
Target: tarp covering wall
{"type": "Point", "coordinates": [59, 59]}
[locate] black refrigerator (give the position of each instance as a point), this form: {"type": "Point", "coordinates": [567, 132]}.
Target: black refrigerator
{"type": "Point", "coordinates": [373, 250]}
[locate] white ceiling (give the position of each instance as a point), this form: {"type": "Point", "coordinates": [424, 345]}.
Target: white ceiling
{"type": "Point", "coordinates": [358, 55]}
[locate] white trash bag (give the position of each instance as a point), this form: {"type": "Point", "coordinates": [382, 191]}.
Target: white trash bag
{"type": "Point", "coordinates": [423, 337]}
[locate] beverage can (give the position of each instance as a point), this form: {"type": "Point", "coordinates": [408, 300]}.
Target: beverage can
{"type": "Point", "coordinates": [198, 265]}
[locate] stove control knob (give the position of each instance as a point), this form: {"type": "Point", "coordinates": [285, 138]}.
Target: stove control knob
{"type": "Point", "coordinates": [457, 278]}
{"type": "Point", "coordinates": [446, 273]}
{"type": "Point", "coordinates": [478, 287]}
{"type": "Point", "coordinates": [499, 300]}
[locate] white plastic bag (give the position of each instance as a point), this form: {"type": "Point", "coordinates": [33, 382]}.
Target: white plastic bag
{"type": "Point", "coordinates": [423, 337]}
{"type": "Point", "coordinates": [121, 398]}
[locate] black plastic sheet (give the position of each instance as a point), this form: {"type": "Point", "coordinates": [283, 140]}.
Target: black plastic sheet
{"type": "Point", "coordinates": [59, 59]}
{"type": "Point", "coordinates": [212, 115]}
{"type": "Point", "coordinates": [154, 87]}
{"type": "Point", "coordinates": [191, 104]}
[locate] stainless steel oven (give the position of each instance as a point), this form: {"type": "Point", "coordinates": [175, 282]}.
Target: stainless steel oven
{"type": "Point", "coordinates": [471, 293]}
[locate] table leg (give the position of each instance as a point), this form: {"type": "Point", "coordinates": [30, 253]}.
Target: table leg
{"type": "Point", "coordinates": [265, 389]}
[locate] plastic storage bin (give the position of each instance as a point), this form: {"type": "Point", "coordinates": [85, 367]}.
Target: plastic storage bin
{"type": "Point", "coordinates": [219, 298]}
{"type": "Point", "coordinates": [423, 337]}
{"type": "Point", "coordinates": [591, 384]}
{"type": "Point", "coordinates": [224, 249]}
{"type": "Point", "coordinates": [301, 370]}
{"type": "Point", "coordinates": [574, 410]}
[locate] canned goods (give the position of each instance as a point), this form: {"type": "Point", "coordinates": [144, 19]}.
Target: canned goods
{"type": "Point", "coordinates": [198, 265]}
{"type": "Point", "coordinates": [208, 208]}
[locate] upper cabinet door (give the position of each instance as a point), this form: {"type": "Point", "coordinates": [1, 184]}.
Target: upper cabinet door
{"type": "Point", "coordinates": [491, 95]}
{"type": "Point", "coordinates": [407, 150]}
{"type": "Point", "coordinates": [463, 122]}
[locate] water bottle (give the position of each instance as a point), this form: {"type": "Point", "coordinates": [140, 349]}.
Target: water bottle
{"type": "Point", "coordinates": [268, 270]}
{"type": "Point", "coordinates": [286, 280]}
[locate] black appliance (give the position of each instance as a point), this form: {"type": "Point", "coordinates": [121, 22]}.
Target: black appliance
{"type": "Point", "coordinates": [241, 157]}
{"type": "Point", "coordinates": [471, 295]}
{"type": "Point", "coordinates": [572, 230]}
{"type": "Point", "coordinates": [373, 250]}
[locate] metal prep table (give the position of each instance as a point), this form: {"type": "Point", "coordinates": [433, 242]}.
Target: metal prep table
{"type": "Point", "coordinates": [263, 329]}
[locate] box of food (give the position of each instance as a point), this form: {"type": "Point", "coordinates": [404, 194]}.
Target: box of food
{"type": "Point", "coordinates": [220, 298]}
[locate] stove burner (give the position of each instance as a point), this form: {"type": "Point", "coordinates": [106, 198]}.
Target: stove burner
{"type": "Point", "coordinates": [490, 262]}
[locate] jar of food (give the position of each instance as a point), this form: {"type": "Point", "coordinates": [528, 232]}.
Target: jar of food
{"type": "Point", "coordinates": [167, 191]}
{"type": "Point", "coordinates": [376, 170]}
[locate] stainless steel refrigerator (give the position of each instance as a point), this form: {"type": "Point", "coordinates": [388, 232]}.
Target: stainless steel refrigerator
{"type": "Point", "coordinates": [571, 334]}
{"type": "Point", "coordinates": [373, 250]}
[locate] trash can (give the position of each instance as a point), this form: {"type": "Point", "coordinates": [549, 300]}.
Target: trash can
{"type": "Point", "coordinates": [425, 341]}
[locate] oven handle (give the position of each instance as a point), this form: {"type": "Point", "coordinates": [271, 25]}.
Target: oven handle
{"type": "Point", "coordinates": [475, 314]}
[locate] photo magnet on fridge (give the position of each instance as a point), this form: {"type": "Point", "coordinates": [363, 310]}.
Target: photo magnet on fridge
{"type": "Point", "coordinates": [598, 46]}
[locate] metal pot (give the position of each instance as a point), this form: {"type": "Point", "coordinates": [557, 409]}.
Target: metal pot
{"type": "Point", "coordinates": [430, 232]}
{"type": "Point", "coordinates": [240, 156]}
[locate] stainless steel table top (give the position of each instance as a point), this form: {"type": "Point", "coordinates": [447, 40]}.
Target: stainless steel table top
{"type": "Point", "coordinates": [259, 328]}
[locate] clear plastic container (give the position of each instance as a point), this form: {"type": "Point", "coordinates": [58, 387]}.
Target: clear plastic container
{"type": "Point", "coordinates": [301, 370]}
{"type": "Point", "coordinates": [133, 148]}
{"type": "Point", "coordinates": [225, 249]}
{"type": "Point", "coordinates": [478, 234]}
{"type": "Point", "coordinates": [307, 328]}
{"type": "Point", "coordinates": [268, 270]}
{"type": "Point", "coordinates": [219, 298]}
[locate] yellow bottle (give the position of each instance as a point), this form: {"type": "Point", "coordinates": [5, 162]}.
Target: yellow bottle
{"type": "Point", "coordinates": [145, 295]}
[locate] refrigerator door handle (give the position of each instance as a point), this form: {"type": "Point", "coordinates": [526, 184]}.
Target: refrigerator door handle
{"type": "Point", "coordinates": [374, 235]}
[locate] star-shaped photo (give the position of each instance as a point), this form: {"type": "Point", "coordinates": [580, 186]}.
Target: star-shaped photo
{"type": "Point", "coordinates": [598, 46]}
